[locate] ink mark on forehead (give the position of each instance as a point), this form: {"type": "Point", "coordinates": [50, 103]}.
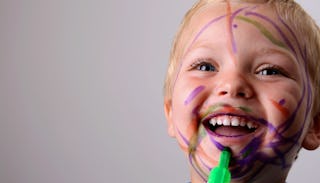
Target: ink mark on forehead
{"type": "Point", "coordinates": [202, 30]}
{"type": "Point", "coordinates": [282, 34]}
{"type": "Point", "coordinates": [229, 30]}
{"type": "Point", "coordinates": [302, 53]}
{"type": "Point", "coordinates": [193, 94]}
{"type": "Point", "coordinates": [193, 41]}
{"type": "Point", "coordinates": [230, 20]}
{"type": "Point", "coordinates": [263, 30]}
{"type": "Point", "coordinates": [205, 27]}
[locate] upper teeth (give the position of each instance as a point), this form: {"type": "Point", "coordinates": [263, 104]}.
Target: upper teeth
{"type": "Point", "coordinates": [233, 121]}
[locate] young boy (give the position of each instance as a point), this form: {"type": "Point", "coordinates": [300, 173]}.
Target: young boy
{"type": "Point", "coordinates": [244, 74]}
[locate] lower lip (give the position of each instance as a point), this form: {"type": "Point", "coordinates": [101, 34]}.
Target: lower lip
{"type": "Point", "coordinates": [229, 141]}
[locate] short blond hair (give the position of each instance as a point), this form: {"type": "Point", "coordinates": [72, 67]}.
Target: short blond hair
{"type": "Point", "coordinates": [289, 11]}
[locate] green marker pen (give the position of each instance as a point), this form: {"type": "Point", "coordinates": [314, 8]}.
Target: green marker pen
{"type": "Point", "coordinates": [221, 173]}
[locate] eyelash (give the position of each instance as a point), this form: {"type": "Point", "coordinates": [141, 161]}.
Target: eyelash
{"type": "Point", "coordinates": [275, 70]}
{"type": "Point", "coordinates": [201, 64]}
{"type": "Point", "coordinates": [266, 70]}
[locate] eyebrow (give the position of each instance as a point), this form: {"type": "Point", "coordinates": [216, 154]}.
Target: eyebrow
{"type": "Point", "coordinates": [270, 51]}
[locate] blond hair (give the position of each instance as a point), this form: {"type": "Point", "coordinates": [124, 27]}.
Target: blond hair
{"type": "Point", "coordinates": [289, 11]}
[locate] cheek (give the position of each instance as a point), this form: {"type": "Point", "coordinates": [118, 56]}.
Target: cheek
{"type": "Point", "coordinates": [193, 94]}
{"type": "Point", "coordinates": [284, 101]}
{"type": "Point", "coordinates": [287, 112]}
{"type": "Point", "coordinates": [185, 112]}
{"type": "Point", "coordinates": [281, 107]}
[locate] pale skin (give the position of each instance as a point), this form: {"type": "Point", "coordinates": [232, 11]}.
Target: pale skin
{"type": "Point", "coordinates": [238, 67]}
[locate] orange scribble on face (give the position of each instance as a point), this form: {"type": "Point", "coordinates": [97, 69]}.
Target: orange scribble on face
{"type": "Point", "coordinates": [282, 109]}
{"type": "Point", "coordinates": [191, 129]}
{"type": "Point", "coordinates": [229, 31]}
{"type": "Point", "coordinates": [228, 109]}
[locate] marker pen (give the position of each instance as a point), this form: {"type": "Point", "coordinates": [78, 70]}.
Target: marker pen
{"type": "Point", "coordinates": [221, 173]}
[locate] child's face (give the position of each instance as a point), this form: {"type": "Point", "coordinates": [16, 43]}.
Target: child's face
{"type": "Point", "coordinates": [241, 83]}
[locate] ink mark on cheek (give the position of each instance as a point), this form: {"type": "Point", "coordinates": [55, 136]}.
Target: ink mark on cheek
{"type": "Point", "coordinates": [193, 94]}
{"type": "Point", "coordinates": [235, 26]}
{"type": "Point", "coordinates": [195, 111]}
{"type": "Point", "coordinates": [280, 107]}
{"type": "Point", "coordinates": [282, 102]}
{"type": "Point", "coordinates": [186, 141]}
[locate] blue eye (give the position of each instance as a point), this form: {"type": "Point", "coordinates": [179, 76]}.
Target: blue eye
{"type": "Point", "coordinates": [205, 66]}
{"type": "Point", "coordinates": [272, 71]}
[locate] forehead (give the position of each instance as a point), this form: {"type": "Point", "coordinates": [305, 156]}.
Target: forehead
{"type": "Point", "coordinates": [260, 16]}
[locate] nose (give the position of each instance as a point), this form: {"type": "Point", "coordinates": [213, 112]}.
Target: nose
{"type": "Point", "coordinates": [235, 86]}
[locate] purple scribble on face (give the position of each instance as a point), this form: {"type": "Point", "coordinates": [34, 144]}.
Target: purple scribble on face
{"type": "Point", "coordinates": [195, 111]}
{"type": "Point", "coordinates": [196, 168]}
{"type": "Point", "coordinates": [217, 144]}
{"type": "Point", "coordinates": [282, 144]}
{"type": "Point", "coordinates": [281, 33]}
{"type": "Point", "coordinates": [193, 94]}
{"type": "Point", "coordinates": [282, 102]}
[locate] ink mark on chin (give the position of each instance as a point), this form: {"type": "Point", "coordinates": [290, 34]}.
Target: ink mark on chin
{"type": "Point", "coordinates": [193, 94]}
{"type": "Point", "coordinates": [252, 147]}
{"type": "Point", "coordinates": [216, 143]}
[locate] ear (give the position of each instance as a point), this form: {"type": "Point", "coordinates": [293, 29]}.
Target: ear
{"type": "Point", "coordinates": [168, 114]}
{"type": "Point", "coordinates": [312, 138]}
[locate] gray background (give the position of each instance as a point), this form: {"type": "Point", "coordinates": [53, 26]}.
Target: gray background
{"type": "Point", "coordinates": [81, 92]}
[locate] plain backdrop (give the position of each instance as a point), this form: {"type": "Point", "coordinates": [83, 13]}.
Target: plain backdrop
{"type": "Point", "coordinates": [81, 92]}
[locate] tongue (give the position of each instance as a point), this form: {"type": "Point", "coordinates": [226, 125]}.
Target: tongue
{"type": "Point", "coordinates": [232, 131]}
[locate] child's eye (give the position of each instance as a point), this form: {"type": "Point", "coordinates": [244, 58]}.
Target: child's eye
{"type": "Point", "coordinates": [271, 70]}
{"type": "Point", "coordinates": [204, 66]}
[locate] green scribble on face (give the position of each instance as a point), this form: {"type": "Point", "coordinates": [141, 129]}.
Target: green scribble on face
{"type": "Point", "coordinates": [245, 109]}
{"type": "Point", "coordinates": [196, 138]}
{"type": "Point", "coordinates": [246, 153]}
{"type": "Point", "coordinates": [202, 132]}
{"type": "Point", "coordinates": [211, 109]}
{"type": "Point", "coordinates": [263, 30]}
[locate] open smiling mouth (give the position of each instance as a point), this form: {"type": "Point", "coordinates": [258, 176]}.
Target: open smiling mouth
{"type": "Point", "coordinates": [230, 125]}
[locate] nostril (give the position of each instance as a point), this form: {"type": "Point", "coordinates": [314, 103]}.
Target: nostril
{"type": "Point", "coordinates": [241, 94]}
{"type": "Point", "coordinates": [223, 93]}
